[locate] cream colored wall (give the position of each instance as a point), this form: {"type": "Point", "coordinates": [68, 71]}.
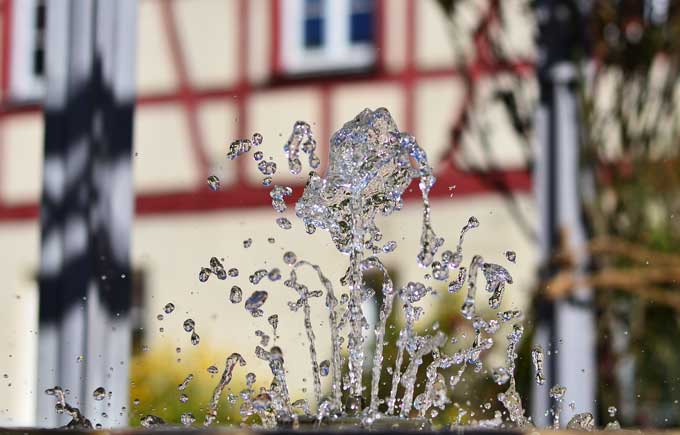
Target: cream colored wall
{"type": "Point", "coordinates": [395, 34]}
{"type": "Point", "coordinates": [18, 311]}
{"type": "Point", "coordinates": [437, 102]}
{"type": "Point", "coordinates": [209, 40]}
{"type": "Point", "coordinates": [155, 72]}
{"type": "Point", "coordinates": [22, 152]}
{"type": "Point", "coordinates": [491, 142]}
{"type": "Point", "coordinates": [259, 40]}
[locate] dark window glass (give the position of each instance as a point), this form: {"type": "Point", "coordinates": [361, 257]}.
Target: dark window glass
{"type": "Point", "coordinates": [314, 23]}
{"type": "Point", "coordinates": [361, 21]}
{"type": "Point", "coordinates": [39, 48]}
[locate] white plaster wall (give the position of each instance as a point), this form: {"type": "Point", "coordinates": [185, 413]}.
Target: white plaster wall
{"type": "Point", "coordinates": [18, 311]}
{"type": "Point", "coordinates": [22, 153]}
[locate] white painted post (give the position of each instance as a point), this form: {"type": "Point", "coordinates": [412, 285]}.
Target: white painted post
{"type": "Point", "coordinates": [87, 206]}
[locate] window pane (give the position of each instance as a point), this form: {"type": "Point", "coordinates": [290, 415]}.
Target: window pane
{"type": "Point", "coordinates": [361, 21]}
{"type": "Point", "coordinates": [314, 23]}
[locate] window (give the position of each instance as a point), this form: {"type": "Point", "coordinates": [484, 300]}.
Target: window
{"type": "Point", "coordinates": [327, 35]}
{"type": "Point", "coordinates": [27, 64]}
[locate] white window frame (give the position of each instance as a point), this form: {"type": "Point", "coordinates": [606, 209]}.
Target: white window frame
{"type": "Point", "coordinates": [336, 53]}
{"type": "Point", "coordinates": [24, 85]}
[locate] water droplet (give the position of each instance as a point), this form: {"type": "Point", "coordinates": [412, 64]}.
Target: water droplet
{"type": "Point", "coordinates": [257, 139]}
{"type": "Point", "coordinates": [290, 258]}
{"type": "Point", "coordinates": [274, 274]}
{"type": "Point", "coordinates": [278, 194]}
{"type": "Point", "coordinates": [284, 223]}
{"type": "Point", "coordinates": [612, 411]}
{"type": "Point", "coordinates": [324, 367]}
{"type": "Point", "coordinates": [273, 321]}
{"type": "Point", "coordinates": [255, 301]}
{"type": "Point", "coordinates": [204, 274]}
{"type": "Point", "coordinates": [439, 271]}
{"type": "Point", "coordinates": [582, 422]}
{"type": "Point", "coordinates": [258, 156]}
{"type": "Point", "coordinates": [266, 168]}
{"type": "Point", "coordinates": [214, 183]}
{"type": "Point", "coordinates": [189, 325]}
{"type": "Point", "coordinates": [238, 148]}
{"type": "Point", "coordinates": [247, 242]}
{"type": "Point", "coordinates": [257, 276]}
{"type": "Point", "coordinates": [169, 308]}
{"type": "Point", "coordinates": [185, 382]}
{"type": "Point", "coordinates": [99, 393]}
{"type": "Point", "coordinates": [187, 419]}
{"type": "Point", "coordinates": [235, 295]}
{"type": "Point", "coordinates": [195, 338]}
{"type": "Point", "coordinates": [557, 392]}
{"type": "Point", "coordinates": [390, 246]}
{"type": "Point", "coordinates": [212, 370]}
{"type": "Point", "coordinates": [217, 268]}
{"type": "Point", "coordinates": [537, 359]}
{"type": "Point", "coordinates": [511, 256]}
{"type": "Point", "coordinates": [457, 284]}
{"type": "Point", "coordinates": [301, 139]}
{"type": "Point", "coordinates": [183, 398]}
{"type": "Point", "coordinates": [496, 277]}
{"type": "Point", "coordinates": [264, 338]}
{"type": "Point", "coordinates": [267, 181]}
{"type": "Point", "coordinates": [136, 402]}
{"type": "Point", "coordinates": [151, 421]}
{"type": "Point", "coordinates": [233, 272]}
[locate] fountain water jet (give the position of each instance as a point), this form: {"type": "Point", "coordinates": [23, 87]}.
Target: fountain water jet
{"type": "Point", "coordinates": [371, 164]}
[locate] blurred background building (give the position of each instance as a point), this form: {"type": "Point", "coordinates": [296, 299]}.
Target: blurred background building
{"type": "Point", "coordinates": [211, 71]}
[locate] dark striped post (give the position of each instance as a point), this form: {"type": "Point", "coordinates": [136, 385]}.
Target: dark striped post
{"type": "Point", "coordinates": [87, 206]}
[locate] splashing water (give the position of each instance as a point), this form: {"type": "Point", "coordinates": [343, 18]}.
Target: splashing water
{"type": "Point", "coordinates": [236, 294]}
{"type": "Point", "coordinates": [557, 393]}
{"type": "Point", "coordinates": [78, 420]}
{"type": "Point", "coordinates": [537, 359]}
{"type": "Point", "coordinates": [99, 393]}
{"type": "Point", "coordinates": [214, 183]}
{"type": "Point", "coordinates": [230, 364]}
{"type": "Point", "coordinates": [370, 166]}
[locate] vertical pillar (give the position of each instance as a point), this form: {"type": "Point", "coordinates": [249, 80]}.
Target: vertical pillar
{"type": "Point", "coordinates": [566, 328]}
{"type": "Point", "coordinates": [87, 206]}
